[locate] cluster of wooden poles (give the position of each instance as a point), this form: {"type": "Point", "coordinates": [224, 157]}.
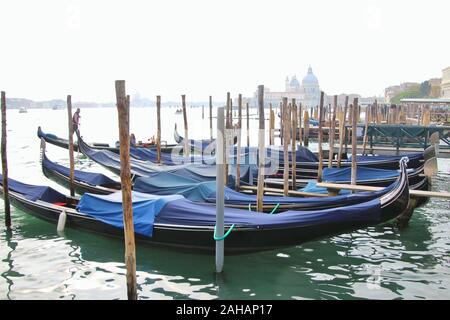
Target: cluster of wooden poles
{"type": "Point", "coordinates": [289, 125]}
{"type": "Point", "coordinates": [292, 117]}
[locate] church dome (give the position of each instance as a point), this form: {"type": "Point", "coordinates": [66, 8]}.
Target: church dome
{"type": "Point", "coordinates": [294, 85]}
{"type": "Point", "coordinates": [310, 78]}
{"type": "Point", "coordinates": [294, 82]}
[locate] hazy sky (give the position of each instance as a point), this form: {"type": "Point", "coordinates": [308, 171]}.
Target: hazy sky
{"type": "Point", "coordinates": [51, 48]}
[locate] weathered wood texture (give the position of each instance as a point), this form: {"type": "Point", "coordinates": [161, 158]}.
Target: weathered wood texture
{"type": "Point", "coordinates": [71, 156]}
{"type": "Point", "coordinates": [5, 164]}
{"type": "Point", "coordinates": [261, 151]}
{"type": "Point", "coordinates": [123, 107]}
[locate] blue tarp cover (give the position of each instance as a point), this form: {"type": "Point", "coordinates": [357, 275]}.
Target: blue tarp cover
{"type": "Point", "coordinates": [42, 134]}
{"type": "Point", "coordinates": [33, 193]}
{"type": "Point", "coordinates": [94, 179]}
{"type": "Point", "coordinates": [166, 183]}
{"type": "Point", "coordinates": [199, 172]}
{"type": "Point", "coordinates": [108, 209]}
{"type": "Point", "coordinates": [386, 157]}
{"type": "Point", "coordinates": [313, 188]}
{"type": "Point", "coordinates": [362, 174]}
{"type": "Point", "coordinates": [185, 212]}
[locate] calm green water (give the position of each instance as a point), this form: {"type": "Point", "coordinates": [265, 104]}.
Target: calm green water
{"type": "Point", "coordinates": [36, 262]}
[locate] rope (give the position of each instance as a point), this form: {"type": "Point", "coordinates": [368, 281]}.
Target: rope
{"type": "Point", "coordinates": [275, 209]}
{"type": "Point", "coordinates": [225, 235]}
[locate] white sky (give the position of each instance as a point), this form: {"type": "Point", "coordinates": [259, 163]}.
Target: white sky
{"type": "Point", "coordinates": [51, 48]}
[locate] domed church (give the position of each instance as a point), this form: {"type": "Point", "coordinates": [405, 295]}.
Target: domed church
{"type": "Point", "coordinates": [310, 90]}
{"type": "Point", "coordinates": [307, 93]}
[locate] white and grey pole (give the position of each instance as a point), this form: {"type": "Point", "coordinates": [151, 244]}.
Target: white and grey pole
{"type": "Point", "coordinates": [220, 167]}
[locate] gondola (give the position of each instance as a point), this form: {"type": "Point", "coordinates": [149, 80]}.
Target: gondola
{"type": "Point", "coordinates": [166, 183]}
{"type": "Point", "coordinates": [306, 162]}
{"type": "Point", "coordinates": [64, 143]}
{"type": "Point", "coordinates": [248, 172]}
{"type": "Point", "coordinates": [173, 221]}
{"type": "Point", "coordinates": [200, 171]}
{"type": "Point", "coordinates": [204, 146]}
{"type": "Point", "coordinates": [307, 167]}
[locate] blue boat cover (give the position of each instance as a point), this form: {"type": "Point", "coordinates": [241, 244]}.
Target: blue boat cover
{"type": "Point", "coordinates": [42, 134]}
{"type": "Point", "coordinates": [369, 158]}
{"type": "Point", "coordinates": [94, 179]}
{"type": "Point", "coordinates": [313, 188]}
{"type": "Point", "coordinates": [188, 213]}
{"type": "Point", "coordinates": [33, 192]}
{"type": "Point", "coordinates": [167, 183]}
{"type": "Point", "coordinates": [175, 210]}
{"type": "Point", "coordinates": [362, 174]}
{"type": "Point", "coordinates": [199, 172]}
{"type": "Point", "coordinates": [108, 209]}
{"type": "Point", "coordinates": [148, 154]}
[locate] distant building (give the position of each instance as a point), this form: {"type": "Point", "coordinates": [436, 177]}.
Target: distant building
{"type": "Point", "coordinates": [408, 85]}
{"type": "Point", "coordinates": [307, 93]}
{"type": "Point", "coordinates": [445, 83]}
{"type": "Point", "coordinates": [435, 87]}
{"type": "Point", "coordinates": [310, 90]}
{"type": "Point", "coordinates": [392, 91]}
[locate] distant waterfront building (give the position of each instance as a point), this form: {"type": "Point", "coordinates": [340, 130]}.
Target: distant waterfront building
{"type": "Point", "coordinates": [445, 83]}
{"type": "Point", "coordinates": [310, 90]}
{"type": "Point", "coordinates": [435, 87]}
{"type": "Point", "coordinates": [392, 91]}
{"type": "Point", "coordinates": [307, 93]}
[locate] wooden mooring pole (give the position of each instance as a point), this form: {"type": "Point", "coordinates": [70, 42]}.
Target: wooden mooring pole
{"type": "Point", "coordinates": [187, 147]}
{"type": "Point", "coordinates": [5, 165]}
{"type": "Point", "coordinates": [366, 127]}
{"type": "Point", "coordinates": [285, 117]}
{"type": "Point", "coordinates": [158, 132]}
{"type": "Point", "coordinates": [261, 150]}
{"type": "Point", "coordinates": [248, 125]}
{"type": "Point", "coordinates": [320, 116]}
{"type": "Point", "coordinates": [331, 133]}
{"type": "Point", "coordinates": [306, 128]}
{"type": "Point", "coordinates": [228, 128]}
{"type": "Point", "coordinates": [71, 156]}
{"type": "Point", "coordinates": [238, 153]}
{"type": "Point", "coordinates": [342, 132]}
{"type": "Point", "coordinates": [123, 109]}
{"type": "Point", "coordinates": [294, 143]}
{"type": "Point", "coordinates": [227, 120]}
{"type": "Point", "coordinates": [300, 131]}
{"type": "Point", "coordinates": [354, 138]}
{"type": "Point", "coordinates": [271, 125]}
{"type": "Point", "coordinates": [210, 118]}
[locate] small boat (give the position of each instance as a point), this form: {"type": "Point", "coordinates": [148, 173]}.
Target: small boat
{"type": "Point", "coordinates": [202, 146]}
{"type": "Point", "coordinates": [173, 221]}
{"type": "Point", "coordinates": [140, 168]}
{"type": "Point", "coordinates": [23, 110]}
{"type": "Point", "coordinates": [179, 111]}
{"type": "Point", "coordinates": [64, 143]}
